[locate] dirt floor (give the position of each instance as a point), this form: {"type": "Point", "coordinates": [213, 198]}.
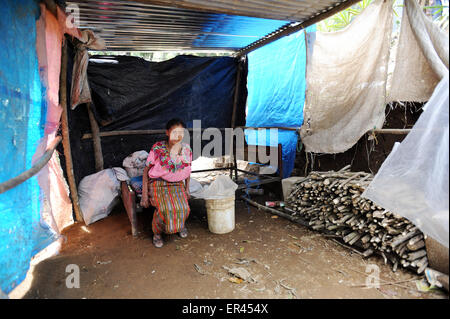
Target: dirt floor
{"type": "Point", "coordinates": [286, 261]}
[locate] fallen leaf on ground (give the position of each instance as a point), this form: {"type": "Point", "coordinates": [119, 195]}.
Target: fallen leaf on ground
{"type": "Point", "coordinates": [235, 280]}
{"type": "Point", "coordinates": [241, 250]}
{"type": "Point", "coordinates": [240, 273]}
{"type": "Point", "coordinates": [274, 217]}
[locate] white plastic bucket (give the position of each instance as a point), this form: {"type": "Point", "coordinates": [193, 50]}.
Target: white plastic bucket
{"type": "Point", "coordinates": [220, 214]}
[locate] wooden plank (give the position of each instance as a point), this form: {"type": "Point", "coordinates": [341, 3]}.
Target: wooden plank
{"type": "Point", "coordinates": [65, 134]}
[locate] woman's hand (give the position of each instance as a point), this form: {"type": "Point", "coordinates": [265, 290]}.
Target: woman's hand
{"type": "Point", "coordinates": [144, 198]}
{"type": "Point", "coordinates": [186, 187]}
{"type": "Point", "coordinates": [144, 201]}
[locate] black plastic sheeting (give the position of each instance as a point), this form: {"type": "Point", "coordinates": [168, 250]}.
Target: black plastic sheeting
{"type": "Point", "coordinates": [137, 94]}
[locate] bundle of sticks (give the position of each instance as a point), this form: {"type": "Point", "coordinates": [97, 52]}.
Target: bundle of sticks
{"type": "Point", "coordinates": [331, 202]}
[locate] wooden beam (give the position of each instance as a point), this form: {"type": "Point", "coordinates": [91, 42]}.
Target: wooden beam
{"type": "Point", "coordinates": [390, 131]}
{"type": "Point", "coordinates": [96, 139]}
{"type": "Point", "coordinates": [289, 28]}
{"type": "Point", "coordinates": [65, 134]}
{"type": "Point", "coordinates": [269, 127]}
{"type": "Point", "coordinates": [87, 136]}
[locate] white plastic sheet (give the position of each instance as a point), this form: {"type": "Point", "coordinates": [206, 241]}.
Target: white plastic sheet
{"type": "Point", "coordinates": [413, 180]}
{"type": "Point", "coordinates": [221, 187]}
{"type": "Point", "coordinates": [99, 193]}
{"type": "Point", "coordinates": [195, 187]}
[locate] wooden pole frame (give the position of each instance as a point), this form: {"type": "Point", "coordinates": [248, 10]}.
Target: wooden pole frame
{"type": "Point", "coordinates": [65, 134]}
{"type": "Point", "coordinates": [233, 116]}
{"type": "Point", "coordinates": [96, 139]}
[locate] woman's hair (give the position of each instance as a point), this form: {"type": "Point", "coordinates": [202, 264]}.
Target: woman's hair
{"type": "Point", "coordinates": [175, 122]}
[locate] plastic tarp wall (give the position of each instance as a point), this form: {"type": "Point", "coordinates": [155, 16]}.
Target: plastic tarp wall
{"type": "Point", "coordinates": [22, 119]}
{"type": "Point", "coordinates": [276, 93]}
{"type": "Point", "coordinates": [136, 94]}
{"type": "Point", "coordinates": [347, 75]}
{"type": "Point", "coordinates": [57, 210]}
{"type": "Point", "coordinates": [413, 180]}
{"type": "Point", "coordinates": [422, 56]}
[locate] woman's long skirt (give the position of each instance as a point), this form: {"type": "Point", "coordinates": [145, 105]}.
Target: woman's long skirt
{"type": "Point", "coordinates": [171, 203]}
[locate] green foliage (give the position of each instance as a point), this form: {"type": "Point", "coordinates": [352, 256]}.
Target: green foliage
{"type": "Point", "coordinates": [342, 19]}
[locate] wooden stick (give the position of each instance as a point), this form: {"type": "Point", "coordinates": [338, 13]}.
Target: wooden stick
{"type": "Point", "coordinates": [276, 212]}
{"type": "Point", "coordinates": [391, 131]}
{"type": "Point", "coordinates": [385, 281]}
{"type": "Point", "coordinates": [96, 139]}
{"type": "Point", "coordinates": [346, 246]}
{"type": "Point", "coordinates": [236, 94]}
{"type": "Point", "coordinates": [233, 117]}
{"type": "Point", "coordinates": [38, 165]}
{"type": "Point", "coordinates": [388, 283]}
{"type": "Point", "coordinates": [65, 134]}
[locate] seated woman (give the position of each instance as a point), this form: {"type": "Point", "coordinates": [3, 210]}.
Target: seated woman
{"type": "Point", "coordinates": [165, 183]}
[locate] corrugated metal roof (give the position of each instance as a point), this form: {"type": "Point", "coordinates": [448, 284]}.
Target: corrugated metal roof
{"type": "Point", "coordinates": [138, 26]}
{"type": "Point", "coordinates": [289, 10]}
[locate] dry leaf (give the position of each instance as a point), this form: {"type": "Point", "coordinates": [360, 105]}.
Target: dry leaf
{"type": "Point", "coordinates": [235, 280]}
{"type": "Point", "coordinates": [274, 216]}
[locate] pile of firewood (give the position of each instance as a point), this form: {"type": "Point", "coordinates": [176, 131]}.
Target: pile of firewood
{"type": "Point", "coordinates": [331, 202]}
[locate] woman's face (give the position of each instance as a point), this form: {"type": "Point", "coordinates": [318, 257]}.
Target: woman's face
{"type": "Point", "coordinates": [175, 133]}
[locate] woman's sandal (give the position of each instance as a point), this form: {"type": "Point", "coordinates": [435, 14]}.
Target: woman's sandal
{"type": "Point", "coordinates": [183, 233]}
{"type": "Point", "coordinates": [157, 241]}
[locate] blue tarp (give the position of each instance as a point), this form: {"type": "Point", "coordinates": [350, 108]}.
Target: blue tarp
{"type": "Point", "coordinates": [22, 118]}
{"type": "Point", "coordinates": [229, 31]}
{"type": "Point", "coordinates": [276, 93]}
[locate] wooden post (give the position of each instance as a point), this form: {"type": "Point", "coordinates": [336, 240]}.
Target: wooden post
{"type": "Point", "coordinates": [233, 117]}
{"type": "Point", "coordinates": [96, 139]}
{"type": "Point", "coordinates": [65, 134]}
{"type": "Point", "coordinates": [236, 94]}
